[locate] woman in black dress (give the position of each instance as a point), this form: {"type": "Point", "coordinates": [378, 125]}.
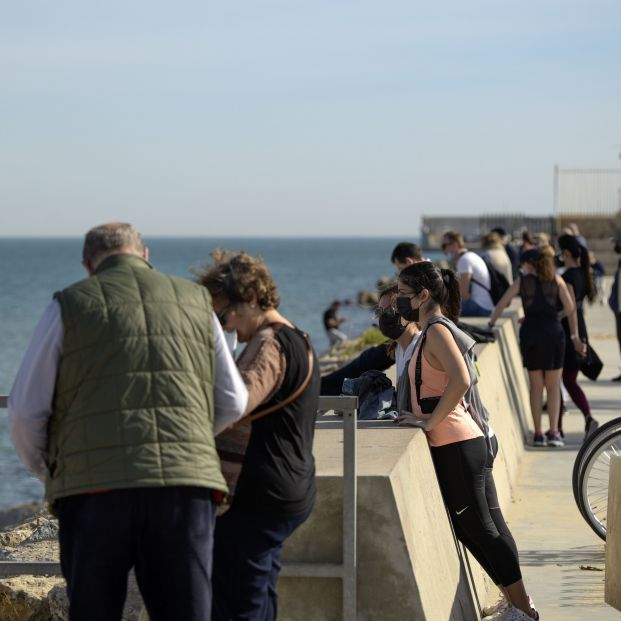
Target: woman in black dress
{"type": "Point", "coordinates": [542, 338]}
{"type": "Point", "coordinates": [580, 284]}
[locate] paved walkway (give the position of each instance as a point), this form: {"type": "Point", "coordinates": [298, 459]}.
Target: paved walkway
{"type": "Point", "coordinates": [553, 538]}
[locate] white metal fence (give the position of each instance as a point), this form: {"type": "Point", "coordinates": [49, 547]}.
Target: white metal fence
{"type": "Point", "coordinates": [587, 191]}
{"type": "Point", "coordinates": [346, 570]}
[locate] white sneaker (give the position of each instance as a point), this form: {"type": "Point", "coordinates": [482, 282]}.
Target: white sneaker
{"type": "Point", "coordinates": [515, 614]}
{"type": "Point", "coordinates": [490, 613]}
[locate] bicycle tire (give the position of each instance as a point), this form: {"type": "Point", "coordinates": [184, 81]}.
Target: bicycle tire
{"type": "Point", "coordinates": [593, 481]}
{"type": "Point", "coordinates": [587, 446]}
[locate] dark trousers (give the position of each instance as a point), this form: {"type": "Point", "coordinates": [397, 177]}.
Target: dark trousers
{"type": "Point", "coordinates": [467, 484]}
{"type": "Point", "coordinates": [165, 533]}
{"type": "Point", "coordinates": [247, 552]}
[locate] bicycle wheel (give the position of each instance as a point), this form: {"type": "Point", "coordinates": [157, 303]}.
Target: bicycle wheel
{"type": "Point", "coordinates": [593, 481]}
{"type": "Point", "coordinates": [610, 428]}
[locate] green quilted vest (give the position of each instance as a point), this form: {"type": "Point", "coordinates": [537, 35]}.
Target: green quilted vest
{"type": "Point", "coordinates": [134, 403]}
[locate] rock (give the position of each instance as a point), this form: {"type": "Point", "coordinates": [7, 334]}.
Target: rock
{"type": "Point", "coordinates": [58, 603]}
{"type": "Point", "coordinates": [24, 598]}
{"type": "Point", "coordinates": [33, 540]}
{"type": "Point", "coordinates": [384, 282]}
{"type": "Point", "coordinates": [11, 538]}
{"type": "Point", "coordinates": [368, 298]}
{"type": "Point", "coordinates": [41, 598]}
{"type": "Point", "coordinates": [47, 531]}
{"type": "Point", "coordinates": [35, 528]}
{"type": "Point", "coordinates": [16, 515]}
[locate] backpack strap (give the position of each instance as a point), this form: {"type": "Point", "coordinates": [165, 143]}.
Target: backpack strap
{"type": "Point", "coordinates": [475, 281]}
{"type": "Point", "coordinates": [418, 369]}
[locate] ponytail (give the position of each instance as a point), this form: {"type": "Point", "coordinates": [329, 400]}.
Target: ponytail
{"type": "Point", "coordinates": [451, 308]}
{"type": "Point", "coordinates": [442, 285]}
{"type": "Point", "coordinates": [585, 267]}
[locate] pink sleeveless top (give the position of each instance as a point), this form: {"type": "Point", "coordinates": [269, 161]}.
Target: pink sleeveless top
{"type": "Point", "coordinates": [458, 425]}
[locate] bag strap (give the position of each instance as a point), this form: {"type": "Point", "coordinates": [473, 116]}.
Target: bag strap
{"type": "Point", "coordinates": [475, 281]}
{"type": "Point", "coordinates": [294, 395]}
{"type": "Point", "coordinates": [418, 369]}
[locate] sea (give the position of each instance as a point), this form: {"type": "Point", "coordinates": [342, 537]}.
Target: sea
{"type": "Point", "coordinates": [309, 272]}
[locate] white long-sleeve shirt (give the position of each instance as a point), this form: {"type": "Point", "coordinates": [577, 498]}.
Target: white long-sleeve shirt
{"type": "Point", "coordinates": [30, 400]}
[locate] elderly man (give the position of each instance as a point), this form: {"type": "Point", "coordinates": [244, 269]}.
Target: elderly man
{"type": "Point", "coordinates": [115, 405]}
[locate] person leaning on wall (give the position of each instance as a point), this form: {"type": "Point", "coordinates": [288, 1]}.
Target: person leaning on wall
{"type": "Point", "coordinates": [442, 390]}
{"type": "Point", "coordinates": [115, 406]}
{"type": "Point", "coordinates": [275, 489]}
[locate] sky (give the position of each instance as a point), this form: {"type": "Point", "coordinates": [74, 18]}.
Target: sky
{"type": "Point", "coordinates": [289, 118]}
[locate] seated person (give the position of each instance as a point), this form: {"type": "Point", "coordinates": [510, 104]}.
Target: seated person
{"type": "Point", "coordinates": [397, 350]}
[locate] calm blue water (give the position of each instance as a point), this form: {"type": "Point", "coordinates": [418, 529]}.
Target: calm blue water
{"type": "Point", "coordinates": [310, 273]}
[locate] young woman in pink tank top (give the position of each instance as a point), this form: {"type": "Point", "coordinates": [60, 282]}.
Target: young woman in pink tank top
{"type": "Point", "coordinates": [458, 446]}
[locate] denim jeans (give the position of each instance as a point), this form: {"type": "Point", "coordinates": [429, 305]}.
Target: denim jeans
{"type": "Point", "coordinates": [247, 550]}
{"type": "Point", "coordinates": [469, 308]}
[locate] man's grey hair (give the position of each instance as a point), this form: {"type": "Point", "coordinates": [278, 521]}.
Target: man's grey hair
{"type": "Point", "coordinates": [108, 238]}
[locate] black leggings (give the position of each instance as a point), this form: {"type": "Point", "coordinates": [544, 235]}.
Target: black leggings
{"type": "Point", "coordinates": [464, 471]}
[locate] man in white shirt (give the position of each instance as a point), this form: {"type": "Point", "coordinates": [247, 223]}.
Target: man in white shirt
{"type": "Point", "coordinates": [473, 275]}
{"type": "Point", "coordinates": [115, 405]}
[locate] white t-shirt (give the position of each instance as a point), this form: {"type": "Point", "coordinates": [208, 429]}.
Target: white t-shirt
{"type": "Point", "coordinates": [471, 263]}
{"type": "Point", "coordinates": [402, 356]}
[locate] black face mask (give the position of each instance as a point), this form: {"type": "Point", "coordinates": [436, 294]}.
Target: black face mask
{"type": "Point", "coordinates": [404, 308]}
{"type": "Point", "coordinates": [390, 325]}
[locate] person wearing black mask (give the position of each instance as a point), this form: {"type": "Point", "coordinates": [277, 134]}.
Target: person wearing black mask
{"type": "Point", "coordinates": [614, 301]}
{"type": "Point", "coordinates": [381, 357]}
{"type": "Point", "coordinates": [440, 380]}
{"type": "Point", "coordinates": [395, 326]}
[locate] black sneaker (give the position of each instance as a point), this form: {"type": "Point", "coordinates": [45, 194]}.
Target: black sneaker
{"type": "Point", "coordinates": [590, 426]}
{"type": "Point", "coordinates": [616, 379]}
{"type": "Point", "coordinates": [555, 440]}
{"type": "Point", "coordinates": [548, 432]}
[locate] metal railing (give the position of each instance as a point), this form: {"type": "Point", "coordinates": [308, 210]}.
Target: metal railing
{"type": "Point", "coordinates": [346, 570]}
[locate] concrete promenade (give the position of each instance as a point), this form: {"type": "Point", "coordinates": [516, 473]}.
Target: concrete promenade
{"type": "Point", "coordinates": [553, 539]}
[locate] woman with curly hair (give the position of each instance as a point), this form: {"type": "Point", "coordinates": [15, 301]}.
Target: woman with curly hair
{"type": "Point", "coordinates": [275, 491]}
{"type": "Point", "coordinates": [542, 339]}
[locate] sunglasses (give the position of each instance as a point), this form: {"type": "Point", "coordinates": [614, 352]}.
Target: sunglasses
{"type": "Point", "coordinates": [222, 315]}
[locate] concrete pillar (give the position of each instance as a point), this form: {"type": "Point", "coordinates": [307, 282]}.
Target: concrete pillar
{"type": "Point", "coordinates": [613, 536]}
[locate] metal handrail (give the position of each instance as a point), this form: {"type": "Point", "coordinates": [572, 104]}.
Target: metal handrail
{"type": "Point", "coordinates": [346, 570]}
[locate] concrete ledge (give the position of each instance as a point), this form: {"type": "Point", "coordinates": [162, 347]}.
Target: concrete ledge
{"type": "Point", "coordinates": [409, 564]}
{"type": "Point", "coordinates": [613, 536]}
{"type": "Point", "coordinates": [404, 537]}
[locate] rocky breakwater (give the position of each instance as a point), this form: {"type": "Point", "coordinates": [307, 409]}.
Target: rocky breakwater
{"type": "Point", "coordinates": [29, 533]}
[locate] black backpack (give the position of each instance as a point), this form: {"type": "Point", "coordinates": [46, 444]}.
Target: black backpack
{"type": "Point", "coordinates": [498, 281]}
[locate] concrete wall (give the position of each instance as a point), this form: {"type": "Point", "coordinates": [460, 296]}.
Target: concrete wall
{"type": "Point", "coordinates": [613, 536]}
{"type": "Point", "coordinates": [409, 565]}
